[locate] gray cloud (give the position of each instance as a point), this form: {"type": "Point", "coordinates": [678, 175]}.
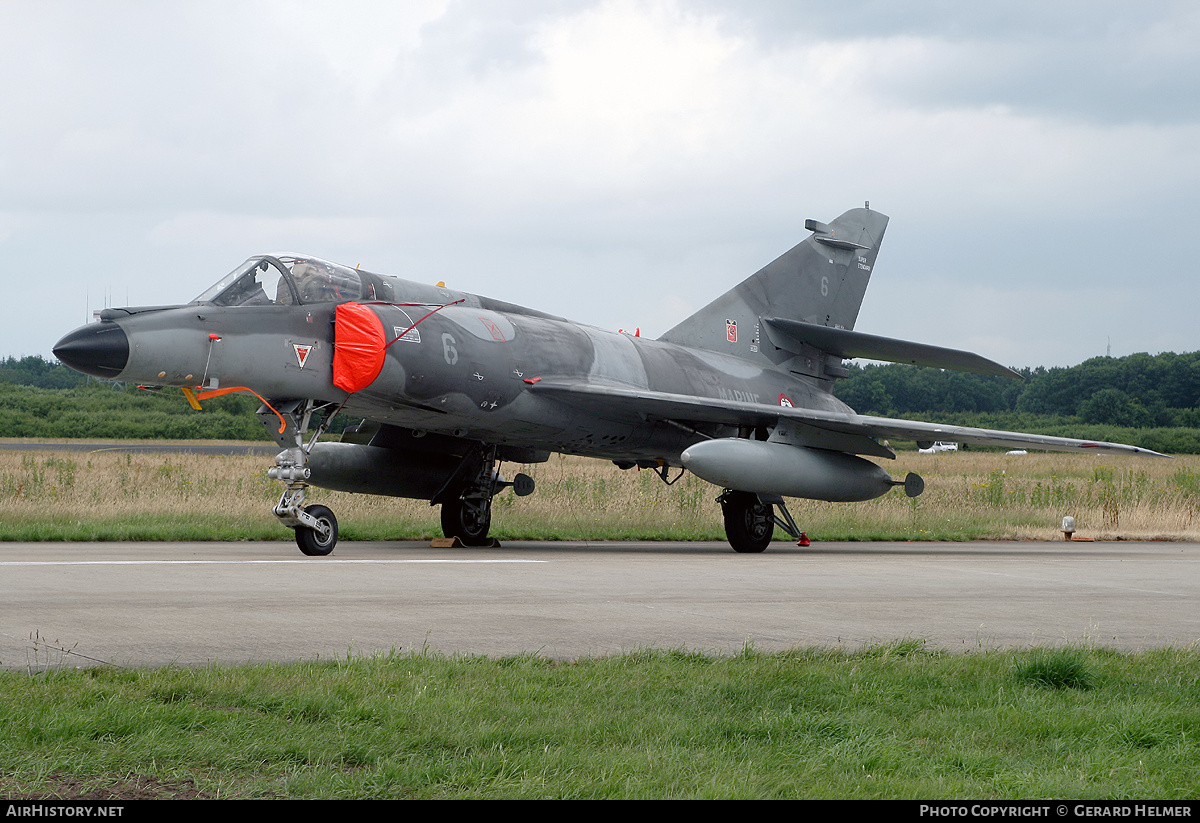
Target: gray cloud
{"type": "Point", "coordinates": [615, 161]}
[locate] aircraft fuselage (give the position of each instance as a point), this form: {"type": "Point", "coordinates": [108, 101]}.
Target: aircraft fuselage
{"type": "Point", "coordinates": [465, 370]}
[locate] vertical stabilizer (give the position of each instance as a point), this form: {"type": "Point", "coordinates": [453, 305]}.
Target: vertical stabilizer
{"type": "Point", "coordinates": [821, 281]}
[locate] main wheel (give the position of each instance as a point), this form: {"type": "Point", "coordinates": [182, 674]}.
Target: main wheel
{"type": "Point", "coordinates": [468, 519]}
{"type": "Point", "coordinates": [749, 523]}
{"type": "Point", "coordinates": [311, 541]}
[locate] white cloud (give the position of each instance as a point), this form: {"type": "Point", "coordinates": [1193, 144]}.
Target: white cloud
{"type": "Point", "coordinates": [264, 233]}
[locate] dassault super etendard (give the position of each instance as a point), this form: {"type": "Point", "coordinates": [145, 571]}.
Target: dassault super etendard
{"type": "Point", "coordinates": [450, 385]}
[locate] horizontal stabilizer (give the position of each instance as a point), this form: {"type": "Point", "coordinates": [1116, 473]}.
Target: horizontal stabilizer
{"type": "Point", "coordinates": [791, 335]}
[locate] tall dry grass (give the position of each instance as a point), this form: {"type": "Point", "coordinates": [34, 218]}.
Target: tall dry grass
{"type": "Point", "coordinates": [110, 495]}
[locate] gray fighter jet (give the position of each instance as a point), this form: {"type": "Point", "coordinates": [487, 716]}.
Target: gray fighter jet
{"type": "Point", "coordinates": [452, 384]}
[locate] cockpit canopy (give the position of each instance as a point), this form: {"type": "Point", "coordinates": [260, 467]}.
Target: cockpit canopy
{"type": "Point", "coordinates": [289, 280]}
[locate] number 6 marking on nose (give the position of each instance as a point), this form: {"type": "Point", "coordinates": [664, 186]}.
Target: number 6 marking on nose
{"type": "Point", "coordinates": [448, 349]}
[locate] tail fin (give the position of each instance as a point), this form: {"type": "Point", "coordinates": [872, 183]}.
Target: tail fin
{"type": "Point", "coordinates": [820, 281]}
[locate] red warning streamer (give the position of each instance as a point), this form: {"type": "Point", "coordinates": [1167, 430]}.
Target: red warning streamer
{"type": "Point", "coordinates": [232, 389]}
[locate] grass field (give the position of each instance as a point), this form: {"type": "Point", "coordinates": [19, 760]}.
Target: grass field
{"type": "Point", "coordinates": [891, 721]}
{"type": "Point", "coordinates": [113, 495]}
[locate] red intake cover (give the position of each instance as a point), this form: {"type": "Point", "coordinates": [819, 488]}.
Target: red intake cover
{"type": "Point", "coordinates": [358, 347]}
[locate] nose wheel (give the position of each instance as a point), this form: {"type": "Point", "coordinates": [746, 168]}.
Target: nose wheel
{"type": "Point", "coordinates": [319, 539]}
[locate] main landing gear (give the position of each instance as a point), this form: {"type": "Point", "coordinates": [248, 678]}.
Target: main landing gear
{"type": "Point", "coordinates": [750, 520]}
{"type": "Point", "coordinates": [469, 518]}
{"type": "Point", "coordinates": [466, 499]}
{"type": "Point", "coordinates": [749, 523]}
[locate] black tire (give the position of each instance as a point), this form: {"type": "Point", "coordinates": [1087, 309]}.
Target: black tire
{"type": "Point", "coordinates": [310, 541]}
{"type": "Point", "coordinates": [469, 520]}
{"type": "Point", "coordinates": [749, 523]}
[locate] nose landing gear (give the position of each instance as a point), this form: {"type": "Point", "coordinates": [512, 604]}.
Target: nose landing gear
{"type": "Point", "coordinates": [316, 527]}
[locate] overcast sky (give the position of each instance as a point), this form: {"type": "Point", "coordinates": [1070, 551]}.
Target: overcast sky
{"type": "Point", "coordinates": [620, 163]}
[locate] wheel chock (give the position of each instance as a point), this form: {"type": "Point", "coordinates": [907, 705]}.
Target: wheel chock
{"type": "Point", "coordinates": [455, 543]}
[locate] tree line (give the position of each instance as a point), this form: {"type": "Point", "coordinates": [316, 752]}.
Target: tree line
{"type": "Point", "coordinates": [1138, 390]}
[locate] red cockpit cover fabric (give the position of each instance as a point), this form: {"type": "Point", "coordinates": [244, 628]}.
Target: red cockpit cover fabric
{"type": "Point", "coordinates": [358, 347]}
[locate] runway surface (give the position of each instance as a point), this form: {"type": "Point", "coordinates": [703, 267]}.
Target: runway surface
{"type": "Point", "coordinates": [151, 604]}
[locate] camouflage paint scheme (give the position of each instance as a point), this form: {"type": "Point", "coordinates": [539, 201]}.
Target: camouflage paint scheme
{"type": "Point", "coordinates": [740, 393]}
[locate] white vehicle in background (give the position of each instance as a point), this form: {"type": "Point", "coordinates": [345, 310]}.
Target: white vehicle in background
{"type": "Point", "coordinates": [939, 446]}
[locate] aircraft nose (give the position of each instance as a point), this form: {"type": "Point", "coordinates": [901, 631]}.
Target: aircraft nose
{"type": "Point", "coordinates": [99, 349]}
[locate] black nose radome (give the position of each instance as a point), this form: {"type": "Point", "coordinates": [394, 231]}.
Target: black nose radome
{"type": "Point", "coordinates": [99, 349]}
